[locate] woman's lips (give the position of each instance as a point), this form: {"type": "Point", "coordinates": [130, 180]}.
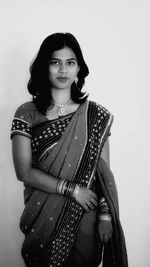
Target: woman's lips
{"type": "Point", "coordinates": [62, 79]}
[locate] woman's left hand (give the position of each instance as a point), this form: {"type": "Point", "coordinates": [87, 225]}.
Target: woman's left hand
{"type": "Point", "coordinates": [105, 230]}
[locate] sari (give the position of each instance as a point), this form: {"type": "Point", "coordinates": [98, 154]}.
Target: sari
{"type": "Point", "coordinates": [53, 224]}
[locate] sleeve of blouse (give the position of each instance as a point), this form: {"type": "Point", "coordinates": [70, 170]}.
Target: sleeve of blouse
{"type": "Point", "coordinates": [21, 123]}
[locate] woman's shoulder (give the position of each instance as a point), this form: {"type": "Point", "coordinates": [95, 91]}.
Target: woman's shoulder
{"type": "Point", "coordinates": [99, 107]}
{"type": "Point", "coordinates": [27, 106]}
{"type": "Point", "coordinates": [26, 111]}
{"type": "Point", "coordinates": [102, 115]}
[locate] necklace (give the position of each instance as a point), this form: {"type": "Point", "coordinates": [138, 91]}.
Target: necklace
{"type": "Point", "coordinates": [61, 111]}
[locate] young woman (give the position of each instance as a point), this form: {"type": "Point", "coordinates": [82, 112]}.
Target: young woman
{"type": "Point", "coordinates": [61, 154]}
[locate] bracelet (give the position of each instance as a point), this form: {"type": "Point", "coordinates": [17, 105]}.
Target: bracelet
{"type": "Point", "coordinates": [103, 206]}
{"type": "Point", "coordinates": [65, 188]}
{"type": "Point", "coordinates": [106, 217]}
{"type": "Point", "coordinates": [104, 211]}
{"type": "Point", "coordinates": [61, 185]}
{"type": "Point", "coordinates": [70, 188]}
{"type": "Point", "coordinates": [102, 200]}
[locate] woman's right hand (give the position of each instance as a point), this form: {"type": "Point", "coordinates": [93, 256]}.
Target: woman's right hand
{"type": "Point", "coordinates": [86, 198]}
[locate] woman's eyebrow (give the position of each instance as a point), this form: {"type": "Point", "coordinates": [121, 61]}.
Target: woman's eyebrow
{"type": "Point", "coordinates": [55, 58]}
{"type": "Point", "coordinates": [73, 58]}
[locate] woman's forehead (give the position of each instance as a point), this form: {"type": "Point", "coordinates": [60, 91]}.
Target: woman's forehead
{"type": "Point", "coordinates": [64, 53]}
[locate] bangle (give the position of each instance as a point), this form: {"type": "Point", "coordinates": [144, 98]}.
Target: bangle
{"type": "Point", "coordinates": [106, 217]}
{"type": "Point", "coordinates": [103, 206]}
{"type": "Point", "coordinates": [102, 203]}
{"type": "Point", "coordinates": [65, 188]}
{"type": "Point", "coordinates": [61, 187]}
{"type": "Point", "coordinates": [70, 188]}
{"type": "Point", "coordinates": [102, 200]}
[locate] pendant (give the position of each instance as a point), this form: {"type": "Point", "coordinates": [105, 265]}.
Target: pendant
{"type": "Point", "coordinates": [61, 111]}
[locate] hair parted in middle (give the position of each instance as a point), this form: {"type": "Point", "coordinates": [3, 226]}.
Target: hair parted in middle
{"type": "Point", "coordinates": [39, 84]}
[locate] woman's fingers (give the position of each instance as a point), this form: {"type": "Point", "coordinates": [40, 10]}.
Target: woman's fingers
{"type": "Point", "coordinates": [105, 238]}
{"type": "Point", "coordinates": [86, 198]}
{"type": "Point", "coordinates": [93, 201]}
{"type": "Point", "coordinates": [105, 230]}
{"type": "Point", "coordinates": [93, 195]}
{"type": "Point", "coordinates": [91, 205]}
{"type": "Point", "coordinates": [86, 207]}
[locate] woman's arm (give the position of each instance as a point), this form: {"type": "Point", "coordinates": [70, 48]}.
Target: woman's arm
{"type": "Point", "coordinates": [22, 158]}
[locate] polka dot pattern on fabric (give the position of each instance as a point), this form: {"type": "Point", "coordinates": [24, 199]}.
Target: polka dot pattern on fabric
{"type": "Point", "coordinates": [47, 136]}
{"type": "Point", "coordinates": [19, 126]}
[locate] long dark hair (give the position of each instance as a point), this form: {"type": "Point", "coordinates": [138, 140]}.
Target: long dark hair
{"type": "Point", "coordinates": [39, 84]}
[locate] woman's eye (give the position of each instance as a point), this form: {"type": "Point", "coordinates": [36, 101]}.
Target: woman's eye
{"type": "Point", "coordinates": [71, 62]}
{"type": "Point", "coordinates": [54, 62]}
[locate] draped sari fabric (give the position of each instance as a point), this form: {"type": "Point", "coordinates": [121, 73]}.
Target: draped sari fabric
{"type": "Point", "coordinates": [115, 254]}
{"type": "Point", "coordinates": [51, 222]}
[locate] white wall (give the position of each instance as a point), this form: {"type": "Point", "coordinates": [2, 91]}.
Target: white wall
{"type": "Point", "coordinates": [115, 39]}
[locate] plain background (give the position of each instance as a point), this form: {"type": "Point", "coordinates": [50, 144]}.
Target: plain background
{"type": "Point", "coordinates": [115, 39]}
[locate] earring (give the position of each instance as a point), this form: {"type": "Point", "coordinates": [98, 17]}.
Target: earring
{"type": "Point", "coordinates": [76, 80]}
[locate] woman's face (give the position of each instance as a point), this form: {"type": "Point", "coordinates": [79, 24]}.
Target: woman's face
{"type": "Point", "coordinates": [63, 68]}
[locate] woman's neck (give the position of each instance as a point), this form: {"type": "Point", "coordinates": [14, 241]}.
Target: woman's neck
{"type": "Point", "coordinates": [60, 97]}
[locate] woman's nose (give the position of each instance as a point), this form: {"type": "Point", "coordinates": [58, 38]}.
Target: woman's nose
{"type": "Point", "coordinates": [63, 68]}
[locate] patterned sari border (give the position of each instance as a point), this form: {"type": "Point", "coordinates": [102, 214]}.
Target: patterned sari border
{"type": "Point", "coordinates": [102, 141]}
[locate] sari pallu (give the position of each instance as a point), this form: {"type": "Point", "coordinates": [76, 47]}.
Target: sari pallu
{"type": "Point", "coordinates": [50, 221]}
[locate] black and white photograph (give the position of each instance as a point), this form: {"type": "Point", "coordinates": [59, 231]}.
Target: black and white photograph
{"type": "Point", "coordinates": [74, 138]}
